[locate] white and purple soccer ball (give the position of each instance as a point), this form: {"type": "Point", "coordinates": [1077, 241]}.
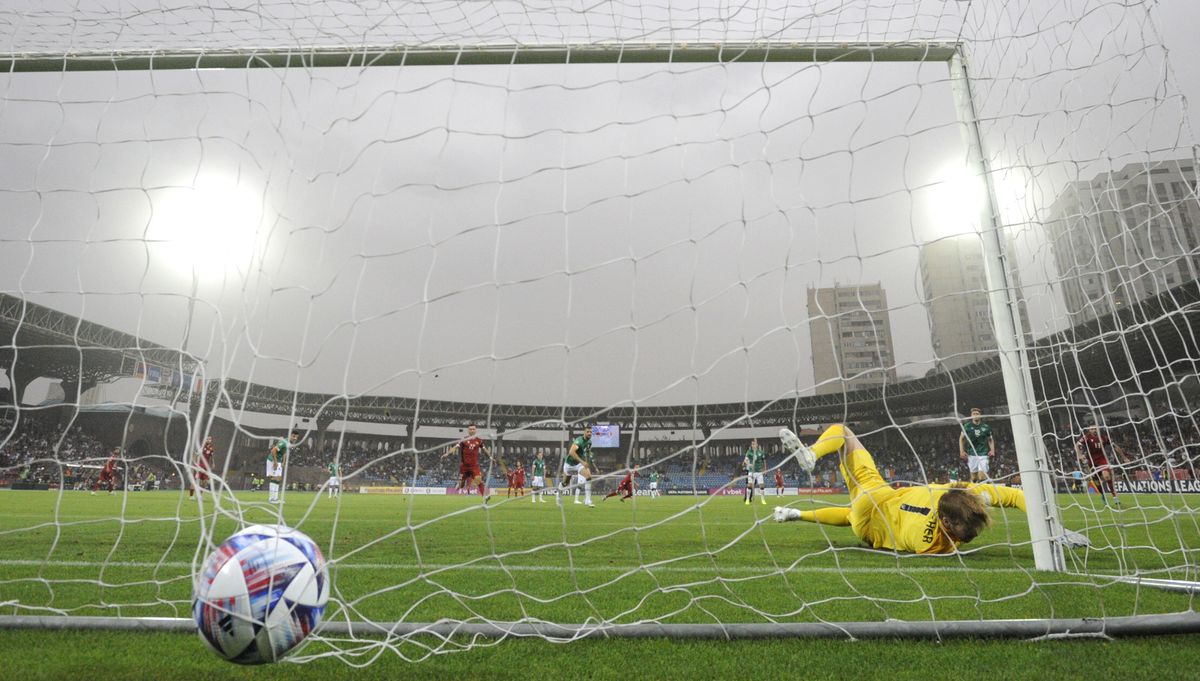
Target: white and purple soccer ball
{"type": "Point", "coordinates": [260, 594]}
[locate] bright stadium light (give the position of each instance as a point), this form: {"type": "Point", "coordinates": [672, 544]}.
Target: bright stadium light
{"type": "Point", "coordinates": [208, 228]}
{"type": "Point", "coordinates": [1013, 187]}
{"type": "Point", "coordinates": [958, 198]}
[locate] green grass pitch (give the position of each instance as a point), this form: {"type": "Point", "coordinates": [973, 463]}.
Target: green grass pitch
{"type": "Point", "coordinates": [669, 559]}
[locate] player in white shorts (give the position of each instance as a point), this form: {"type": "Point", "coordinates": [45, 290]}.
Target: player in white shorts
{"type": "Point", "coordinates": [335, 483]}
{"type": "Point", "coordinates": [976, 445]}
{"type": "Point", "coordinates": [275, 461]}
{"type": "Point", "coordinates": [578, 467]}
{"type": "Point", "coordinates": [754, 463]}
{"type": "Point", "coordinates": [539, 479]}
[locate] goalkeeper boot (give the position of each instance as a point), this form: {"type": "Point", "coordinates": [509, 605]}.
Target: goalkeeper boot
{"type": "Point", "coordinates": [804, 455]}
{"type": "Point", "coordinates": [763, 499]}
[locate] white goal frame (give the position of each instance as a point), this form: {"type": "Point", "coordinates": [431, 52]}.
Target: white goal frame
{"type": "Point", "coordinates": [1035, 469]}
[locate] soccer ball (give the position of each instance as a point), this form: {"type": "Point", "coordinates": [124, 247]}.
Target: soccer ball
{"type": "Point", "coordinates": [260, 594]}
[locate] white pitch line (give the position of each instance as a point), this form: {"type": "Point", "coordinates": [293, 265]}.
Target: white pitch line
{"type": "Point", "coordinates": [647, 524]}
{"type": "Point", "coordinates": [482, 567]}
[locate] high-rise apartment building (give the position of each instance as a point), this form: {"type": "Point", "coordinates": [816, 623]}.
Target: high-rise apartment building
{"type": "Point", "coordinates": [956, 298]}
{"type": "Point", "coordinates": [851, 338]}
{"type": "Point", "coordinates": [1124, 236]}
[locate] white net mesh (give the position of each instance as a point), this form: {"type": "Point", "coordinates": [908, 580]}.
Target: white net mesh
{"type": "Point", "coordinates": [698, 253]}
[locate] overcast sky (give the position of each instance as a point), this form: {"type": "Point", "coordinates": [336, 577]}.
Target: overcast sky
{"type": "Point", "coordinates": [550, 234]}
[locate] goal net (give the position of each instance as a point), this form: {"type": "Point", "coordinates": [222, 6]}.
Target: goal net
{"type": "Point", "coordinates": [687, 227]}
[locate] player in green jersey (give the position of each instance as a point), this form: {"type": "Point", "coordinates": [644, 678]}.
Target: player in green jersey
{"type": "Point", "coordinates": [579, 466]}
{"type": "Point", "coordinates": [754, 463]}
{"type": "Point", "coordinates": [276, 458]}
{"type": "Point", "coordinates": [976, 446]}
{"type": "Point", "coordinates": [539, 479]}
{"type": "Point", "coordinates": [654, 484]}
{"type": "Point", "coordinates": [335, 483]}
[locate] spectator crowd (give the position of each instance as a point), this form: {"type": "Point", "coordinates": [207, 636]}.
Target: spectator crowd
{"type": "Point", "coordinates": [36, 451]}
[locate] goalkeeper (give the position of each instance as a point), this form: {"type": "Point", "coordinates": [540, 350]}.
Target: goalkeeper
{"type": "Point", "coordinates": [923, 519]}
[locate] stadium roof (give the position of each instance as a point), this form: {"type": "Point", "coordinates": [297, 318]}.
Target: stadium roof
{"type": "Point", "coordinates": [1145, 346]}
{"type": "Point", "coordinates": [47, 337]}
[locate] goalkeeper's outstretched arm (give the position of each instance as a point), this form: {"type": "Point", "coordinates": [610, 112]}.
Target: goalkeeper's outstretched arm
{"type": "Point", "coordinates": [1007, 497]}
{"type": "Point", "coordinates": [1000, 495]}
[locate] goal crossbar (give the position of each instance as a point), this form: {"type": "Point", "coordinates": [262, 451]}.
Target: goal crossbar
{"type": "Point", "coordinates": [465, 55]}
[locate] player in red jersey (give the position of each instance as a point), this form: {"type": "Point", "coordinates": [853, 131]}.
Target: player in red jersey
{"type": "Point", "coordinates": [468, 470]}
{"type": "Point", "coordinates": [519, 480]}
{"type": "Point", "coordinates": [626, 485]}
{"type": "Point", "coordinates": [1092, 444]}
{"type": "Point", "coordinates": [511, 477]}
{"type": "Point", "coordinates": [778, 482]}
{"type": "Point", "coordinates": [203, 466]}
{"type": "Point", "coordinates": [109, 472]}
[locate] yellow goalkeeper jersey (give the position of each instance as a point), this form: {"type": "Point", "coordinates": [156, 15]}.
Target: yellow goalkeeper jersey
{"type": "Point", "coordinates": [906, 519]}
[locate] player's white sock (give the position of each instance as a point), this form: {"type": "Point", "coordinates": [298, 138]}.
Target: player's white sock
{"type": "Point", "coordinates": [587, 492]}
{"type": "Point", "coordinates": [273, 492]}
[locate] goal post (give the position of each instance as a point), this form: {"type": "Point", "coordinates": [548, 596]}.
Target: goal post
{"type": "Point", "coordinates": [1044, 524]}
